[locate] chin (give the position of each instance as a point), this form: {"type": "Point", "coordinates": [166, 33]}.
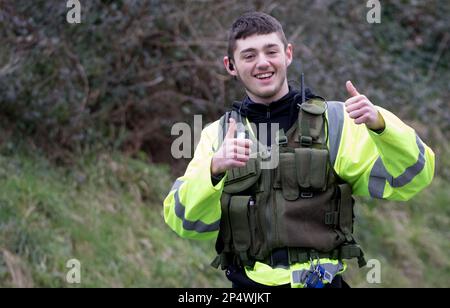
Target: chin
{"type": "Point", "coordinates": [267, 93]}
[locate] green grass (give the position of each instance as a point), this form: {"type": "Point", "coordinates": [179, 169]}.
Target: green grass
{"type": "Point", "coordinates": [410, 239]}
{"type": "Point", "coordinates": [106, 211]}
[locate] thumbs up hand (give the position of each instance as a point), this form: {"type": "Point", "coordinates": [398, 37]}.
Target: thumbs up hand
{"type": "Point", "coordinates": [232, 153]}
{"type": "Point", "coordinates": [362, 110]}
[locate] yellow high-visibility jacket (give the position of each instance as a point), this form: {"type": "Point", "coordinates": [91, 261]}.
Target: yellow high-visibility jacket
{"type": "Point", "coordinates": [394, 165]}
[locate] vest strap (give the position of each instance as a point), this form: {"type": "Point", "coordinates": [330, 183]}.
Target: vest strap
{"type": "Point", "coordinates": [216, 262]}
{"type": "Point", "coordinates": [287, 256]}
{"type": "Point", "coordinates": [284, 257]}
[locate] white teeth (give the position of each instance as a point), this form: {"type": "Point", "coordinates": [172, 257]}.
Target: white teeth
{"type": "Point", "coordinates": [265, 75]}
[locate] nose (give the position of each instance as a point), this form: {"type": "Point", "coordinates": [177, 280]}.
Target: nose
{"type": "Point", "coordinates": [262, 63]}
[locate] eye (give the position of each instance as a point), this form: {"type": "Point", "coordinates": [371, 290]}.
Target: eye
{"type": "Point", "coordinates": [273, 52]}
{"type": "Point", "coordinates": [248, 57]}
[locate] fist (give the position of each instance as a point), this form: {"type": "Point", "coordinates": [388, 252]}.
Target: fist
{"type": "Point", "coordinates": [361, 110]}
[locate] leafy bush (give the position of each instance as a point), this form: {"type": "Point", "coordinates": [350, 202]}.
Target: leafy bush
{"type": "Point", "coordinates": [131, 69]}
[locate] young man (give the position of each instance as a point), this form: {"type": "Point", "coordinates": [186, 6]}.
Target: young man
{"type": "Point", "coordinates": [290, 224]}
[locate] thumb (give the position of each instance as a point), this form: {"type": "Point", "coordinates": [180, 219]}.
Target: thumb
{"type": "Point", "coordinates": [351, 89]}
{"type": "Point", "coordinates": [231, 129]}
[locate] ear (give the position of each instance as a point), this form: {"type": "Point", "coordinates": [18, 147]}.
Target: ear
{"type": "Point", "coordinates": [289, 54]}
{"type": "Point", "coordinates": [231, 69]}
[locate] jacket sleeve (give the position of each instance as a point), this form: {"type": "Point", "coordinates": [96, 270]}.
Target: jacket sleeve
{"type": "Point", "coordinates": [395, 164]}
{"type": "Point", "coordinates": [192, 207]}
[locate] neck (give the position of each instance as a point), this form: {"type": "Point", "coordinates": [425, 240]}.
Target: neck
{"type": "Point", "coordinates": [267, 100]}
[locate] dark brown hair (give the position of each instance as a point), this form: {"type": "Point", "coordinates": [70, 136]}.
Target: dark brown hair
{"type": "Point", "coordinates": [253, 23]}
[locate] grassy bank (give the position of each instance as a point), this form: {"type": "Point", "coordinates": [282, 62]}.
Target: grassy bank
{"type": "Point", "coordinates": [106, 211]}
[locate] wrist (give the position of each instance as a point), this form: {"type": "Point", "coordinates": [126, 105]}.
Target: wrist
{"type": "Point", "coordinates": [215, 171]}
{"type": "Point", "coordinates": [215, 179]}
{"type": "Point", "coordinates": [379, 126]}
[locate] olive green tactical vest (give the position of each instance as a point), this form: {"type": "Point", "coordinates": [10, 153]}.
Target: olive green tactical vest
{"type": "Point", "coordinates": [301, 205]}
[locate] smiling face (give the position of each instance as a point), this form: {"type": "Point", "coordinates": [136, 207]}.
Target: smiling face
{"type": "Point", "coordinates": [260, 62]}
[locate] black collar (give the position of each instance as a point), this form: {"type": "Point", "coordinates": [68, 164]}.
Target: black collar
{"type": "Point", "coordinates": [260, 113]}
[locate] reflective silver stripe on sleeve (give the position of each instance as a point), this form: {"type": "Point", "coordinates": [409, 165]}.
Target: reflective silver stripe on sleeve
{"type": "Point", "coordinates": [176, 185]}
{"type": "Point", "coordinates": [335, 126]}
{"type": "Point", "coordinates": [413, 170]}
{"type": "Point", "coordinates": [379, 175]}
{"type": "Point", "coordinates": [377, 179]}
{"type": "Point", "coordinates": [197, 226]}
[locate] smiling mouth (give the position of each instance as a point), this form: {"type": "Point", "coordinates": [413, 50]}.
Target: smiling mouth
{"type": "Point", "coordinates": [264, 76]}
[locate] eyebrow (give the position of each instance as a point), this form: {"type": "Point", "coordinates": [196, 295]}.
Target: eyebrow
{"type": "Point", "coordinates": [267, 46]}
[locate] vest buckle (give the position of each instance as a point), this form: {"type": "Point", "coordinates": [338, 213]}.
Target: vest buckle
{"type": "Point", "coordinates": [306, 195]}
{"type": "Point", "coordinates": [306, 141]}
{"type": "Point", "coordinates": [282, 140]}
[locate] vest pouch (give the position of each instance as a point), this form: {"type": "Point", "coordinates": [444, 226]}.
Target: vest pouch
{"type": "Point", "coordinates": [312, 168]}
{"type": "Point", "coordinates": [225, 228]}
{"type": "Point", "coordinates": [240, 225]}
{"type": "Point", "coordinates": [241, 179]}
{"type": "Point", "coordinates": [288, 177]}
{"type": "Point", "coordinates": [346, 214]}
